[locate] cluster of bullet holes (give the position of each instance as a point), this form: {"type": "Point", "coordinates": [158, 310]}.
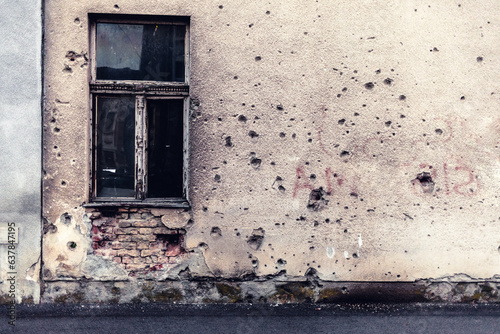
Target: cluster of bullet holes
{"type": "Point", "coordinates": [255, 240]}
{"type": "Point", "coordinates": [425, 181]}
{"type": "Point", "coordinates": [253, 134]}
{"type": "Point", "coordinates": [317, 199]}
{"type": "Point", "coordinates": [254, 161]}
{"type": "Point", "coordinates": [66, 218]}
{"type": "Point", "coordinates": [216, 232]}
{"type": "Point", "coordinates": [72, 245]}
{"type": "Point", "coordinates": [279, 181]}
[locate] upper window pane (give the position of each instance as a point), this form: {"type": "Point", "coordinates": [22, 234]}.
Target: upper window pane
{"type": "Point", "coordinates": [151, 52]}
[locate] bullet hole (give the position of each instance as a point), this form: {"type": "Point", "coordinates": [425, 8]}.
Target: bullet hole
{"type": "Point", "coordinates": [221, 6]}
{"type": "Point", "coordinates": [63, 183]}
{"type": "Point", "coordinates": [388, 123]}
{"type": "Point", "coordinates": [268, 12]}
{"type": "Point", "coordinates": [344, 89]}
{"type": "Point", "coordinates": [345, 231]}
{"type": "Point", "coordinates": [228, 142]}
{"type": "Point", "coordinates": [294, 135]}
{"type": "Point", "coordinates": [217, 178]}
{"type": "Point", "coordinates": [369, 85]}
{"type": "Point", "coordinates": [402, 97]}
{"type": "Point", "coordinates": [439, 131]}
{"type": "Point", "coordinates": [462, 98]}
{"type": "Point", "coordinates": [242, 118]}
{"type": "Point", "coordinates": [355, 255]}
{"type": "Point", "coordinates": [435, 49]}
{"type": "Point", "coordinates": [425, 181]}
{"type": "Point", "coordinates": [116, 7]}
{"type": "Point", "coordinates": [77, 21]}
{"type": "Point", "coordinates": [341, 121]}
{"type": "Point", "coordinates": [312, 176]}
{"type": "Point", "coordinates": [253, 134]}
{"type": "Point", "coordinates": [71, 245]}
{"type": "Point", "coordinates": [255, 162]}
{"type": "Point", "coordinates": [205, 209]}
{"type": "Point", "coordinates": [479, 59]}
{"type": "Point", "coordinates": [66, 218]}
{"type": "Point", "coordinates": [388, 81]}
{"type": "Point", "coordinates": [215, 232]}
{"type": "Point", "coordinates": [280, 107]}
{"type": "Point", "coordinates": [281, 262]}
{"type": "Point", "coordinates": [356, 114]}
{"type": "Point", "coordinates": [317, 199]}
{"type": "Point", "coordinates": [344, 154]}
{"type": "Point", "coordinates": [402, 116]}
{"type": "Point", "coordinates": [56, 129]}
{"type": "Point", "coordinates": [281, 189]}
{"type": "Point", "coordinates": [378, 71]}
{"type": "Point", "coordinates": [67, 69]}
{"type": "Point", "coordinates": [316, 223]}
{"type": "Point", "coordinates": [258, 58]}
{"type": "Point", "coordinates": [255, 240]}
{"type": "Point", "coordinates": [255, 262]}
{"type": "Point", "coordinates": [282, 135]}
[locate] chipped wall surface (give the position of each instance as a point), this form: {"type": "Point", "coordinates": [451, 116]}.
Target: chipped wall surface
{"type": "Point", "coordinates": [20, 161]}
{"type": "Point", "coordinates": [329, 141]}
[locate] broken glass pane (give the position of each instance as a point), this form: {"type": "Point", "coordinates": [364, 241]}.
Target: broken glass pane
{"type": "Point", "coordinates": [165, 148]}
{"type": "Point", "coordinates": [149, 52]}
{"type": "Point", "coordinates": [115, 151]}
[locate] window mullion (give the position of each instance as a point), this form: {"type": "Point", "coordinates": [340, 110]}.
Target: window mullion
{"type": "Point", "coordinates": [140, 128]}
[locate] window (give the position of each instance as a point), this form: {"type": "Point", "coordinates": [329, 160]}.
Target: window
{"type": "Point", "coordinates": [139, 96]}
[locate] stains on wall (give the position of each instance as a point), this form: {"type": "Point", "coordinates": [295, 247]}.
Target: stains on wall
{"type": "Point", "coordinates": [322, 148]}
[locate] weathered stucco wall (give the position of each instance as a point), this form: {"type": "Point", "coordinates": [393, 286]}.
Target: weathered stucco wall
{"type": "Point", "coordinates": [330, 141]}
{"type": "Point", "coordinates": [20, 161]}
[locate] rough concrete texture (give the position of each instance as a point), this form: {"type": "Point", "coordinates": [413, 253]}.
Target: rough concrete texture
{"type": "Point", "coordinates": [20, 138]}
{"type": "Point", "coordinates": [346, 140]}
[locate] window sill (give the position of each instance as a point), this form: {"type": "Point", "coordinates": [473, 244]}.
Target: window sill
{"type": "Point", "coordinates": [181, 204]}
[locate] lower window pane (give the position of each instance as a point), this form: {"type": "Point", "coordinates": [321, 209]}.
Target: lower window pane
{"type": "Point", "coordinates": [165, 148]}
{"type": "Point", "coordinates": [115, 149]}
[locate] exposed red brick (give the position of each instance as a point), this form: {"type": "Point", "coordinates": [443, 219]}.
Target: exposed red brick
{"type": "Point", "coordinates": [149, 223]}
{"type": "Point", "coordinates": [127, 259]}
{"type": "Point", "coordinates": [128, 252]}
{"type": "Point", "coordinates": [126, 231]}
{"type": "Point", "coordinates": [149, 252]}
{"type": "Point", "coordinates": [145, 230]}
{"type": "Point", "coordinates": [173, 250]}
{"type": "Point", "coordinates": [143, 245]}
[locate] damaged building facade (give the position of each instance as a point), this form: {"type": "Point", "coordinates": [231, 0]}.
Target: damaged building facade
{"type": "Point", "coordinates": [267, 151]}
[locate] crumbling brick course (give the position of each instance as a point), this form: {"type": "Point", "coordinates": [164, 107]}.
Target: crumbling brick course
{"type": "Point", "coordinates": [141, 245]}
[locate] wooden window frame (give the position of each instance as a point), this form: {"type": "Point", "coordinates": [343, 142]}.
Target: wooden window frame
{"type": "Point", "coordinates": [142, 91]}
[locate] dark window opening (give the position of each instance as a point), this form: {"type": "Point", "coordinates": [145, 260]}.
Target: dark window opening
{"type": "Point", "coordinates": [139, 88]}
